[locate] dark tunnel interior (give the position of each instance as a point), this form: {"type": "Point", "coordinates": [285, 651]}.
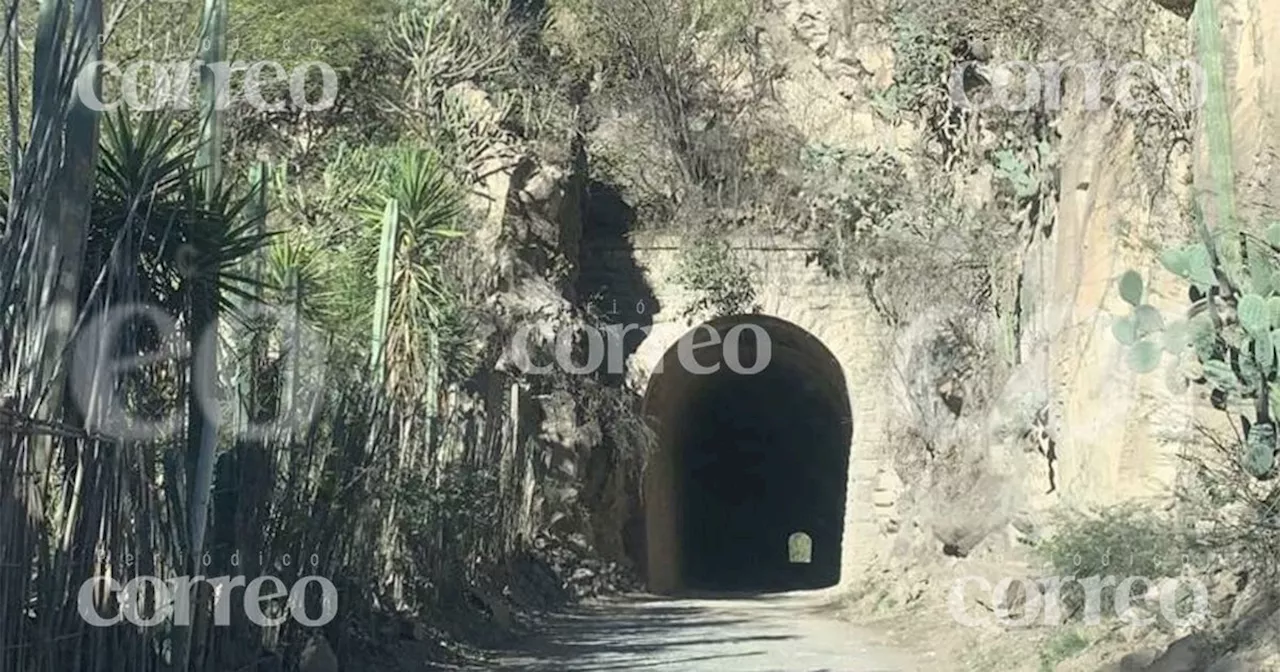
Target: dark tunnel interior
{"type": "Point", "coordinates": [752, 458]}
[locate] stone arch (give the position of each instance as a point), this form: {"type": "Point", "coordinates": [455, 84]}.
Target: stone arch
{"type": "Point", "coordinates": [746, 455]}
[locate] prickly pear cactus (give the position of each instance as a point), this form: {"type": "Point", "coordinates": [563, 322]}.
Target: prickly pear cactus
{"type": "Point", "coordinates": [1232, 328]}
{"type": "Point", "coordinates": [1144, 330]}
{"type": "Point", "coordinates": [1234, 278]}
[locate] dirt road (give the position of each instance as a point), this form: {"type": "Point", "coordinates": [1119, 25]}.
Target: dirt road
{"type": "Point", "coordinates": [782, 633]}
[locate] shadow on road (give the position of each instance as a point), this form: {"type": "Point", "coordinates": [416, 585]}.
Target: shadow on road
{"type": "Point", "coordinates": [649, 633]}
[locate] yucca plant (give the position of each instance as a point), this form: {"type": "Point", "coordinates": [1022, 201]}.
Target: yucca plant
{"type": "Point", "coordinates": [417, 208]}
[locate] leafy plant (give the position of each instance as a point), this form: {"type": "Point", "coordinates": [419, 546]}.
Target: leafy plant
{"type": "Point", "coordinates": [721, 284]}
{"type": "Point", "coordinates": [922, 56]}
{"type": "Point", "coordinates": [1233, 328]}
{"type": "Point", "coordinates": [445, 44]}
{"type": "Point", "coordinates": [1060, 647]}
{"type": "Point", "coordinates": [1026, 177]}
{"type": "Point", "coordinates": [417, 208]}
{"type": "Point", "coordinates": [882, 226]}
{"type": "Point", "coordinates": [1143, 330]}
{"type": "Point", "coordinates": [1125, 539]}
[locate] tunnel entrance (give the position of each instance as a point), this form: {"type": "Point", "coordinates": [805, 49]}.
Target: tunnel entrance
{"type": "Point", "coordinates": [748, 454]}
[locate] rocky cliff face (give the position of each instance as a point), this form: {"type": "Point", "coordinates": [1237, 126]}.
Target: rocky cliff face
{"type": "Point", "coordinates": [1117, 183]}
{"type": "Point", "coordinates": [1068, 424]}
{"type": "Point", "coordinates": [1055, 418]}
{"type": "Point", "coordinates": [1062, 419]}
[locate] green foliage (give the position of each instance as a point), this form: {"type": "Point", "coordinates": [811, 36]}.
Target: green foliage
{"type": "Point", "coordinates": [882, 226]}
{"type": "Point", "coordinates": [1131, 288]}
{"type": "Point", "coordinates": [296, 273]}
{"type": "Point", "coordinates": [1027, 173]}
{"type": "Point", "coordinates": [415, 210]}
{"type": "Point", "coordinates": [922, 59]}
{"type": "Point", "coordinates": [292, 32]}
{"type": "Point", "coordinates": [618, 37]}
{"type": "Point", "coordinates": [1123, 540]}
{"type": "Point", "coordinates": [1144, 329]}
{"type": "Point", "coordinates": [1233, 271]}
{"type": "Point", "coordinates": [676, 68]}
{"type": "Point", "coordinates": [1232, 328]}
{"type": "Point", "coordinates": [857, 185]}
{"type": "Point", "coordinates": [148, 166]}
{"type": "Point", "coordinates": [443, 44]}
{"type": "Point", "coordinates": [1260, 456]}
{"type": "Point", "coordinates": [1191, 262]}
{"type": "Point", "coordinates": [1144, 357]}
{"type": "Point", "coordinates": [459, 503]}
{"type": "Point", "coordinates": [720, 283]}
{"type": "Point", "coordinates": [1062, 646]}
{"type": "Point", "coordinates": [1125, 329]}
{"type": "Point", "coordinates": [1147, 319]}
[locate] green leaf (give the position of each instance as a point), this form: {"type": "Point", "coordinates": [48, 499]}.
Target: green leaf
{"type": "Point", "coordinates": [1273, 399]}
{"type": "Point", "coordinates": [1273, 234]}
{"type": "Point", "coordinates": [1125, 329]}
{"type": "Point", "coordinates": [1201, 267]}
{"type": "Point", "coordinates": [1220, 375]}
{"type": "Point", "coordinates": [1144, 357]}
{"type": "Point", "coordinates": [1273, 309]}
{"type": "Point", "coordinates": [1177, 260]}
{"type": "Point", "coordinates": [1131, 288]}
{"type": "Point", "coordinates": [1254, 315]}
{"type": "Point", "coordinates": [1260, 450]}
{"type": "Point", "coordinates": [1147, 319]}
{"type": "Point", "coordinates": [1176, 337]}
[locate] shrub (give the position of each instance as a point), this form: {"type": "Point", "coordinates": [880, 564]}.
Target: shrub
{"type": "Point", "coordinates": [721, 284]}
{"type": "Point", "coordinates": [675, 68]}
{"type": "Point", "coordinates": [1232, 327]}
{"type": "Point", "coordinates": [922, 59]}
{"type": "Point", "coordinates": [1237, 515]}
{"type": "Point", "coordinates": [887, 228]}
{"type": "Point", "coordinates": [1121, 541]}
{"type": "Point", "coordinates": [1062, 646]}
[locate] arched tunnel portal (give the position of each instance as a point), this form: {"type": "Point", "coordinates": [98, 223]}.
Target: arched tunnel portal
{"type": "Point", "coordinates": [748, 455]}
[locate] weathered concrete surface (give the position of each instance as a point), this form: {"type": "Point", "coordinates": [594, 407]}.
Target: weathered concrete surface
{"type": "Point", "coordinates": [781, 633]}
